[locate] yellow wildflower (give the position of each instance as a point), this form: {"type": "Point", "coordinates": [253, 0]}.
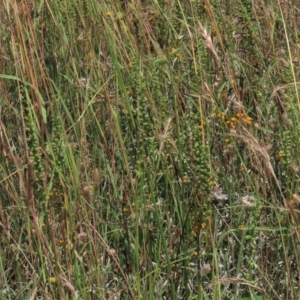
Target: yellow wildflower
{"type": "Point", "coordinates": [292, 203]}
{"type": "Point", "coordinates": [119, 16]}
{"type": "Point", "coordinates": [221, 115]}
{"type": "Point", "coordinates": [185, 179]}
{"type": "Point", "coordinates": [279, 155]}
{"type": "Point", "coordinates": [126, 210]}
{"type": "Point", "coordinates": [248, 120]}
{"type": "Point", "coordinates": [213, 183]}
{"type": "Point", "coordinates": [179, 56]}
{"type": "Point", "coordinates": [173, 50]}
{"type": "Point", "coordinates": [202, 125]}
{"type": "Point", "coordinates": [52, 279]}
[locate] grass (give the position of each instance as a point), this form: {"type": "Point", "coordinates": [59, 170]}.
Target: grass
{"type": "Point", "coordinates": [149, 149]}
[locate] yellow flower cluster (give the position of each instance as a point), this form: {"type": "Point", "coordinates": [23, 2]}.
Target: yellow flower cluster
{"type": "Point", "coordinates": [52, 279]}
{"type": "Point", "coordinates": [219, 115]}
{"type": "Point", "coordinates": [197, 229]}
{"type": "Point", "coordinates": [279, 155]}
{"type": "Point", "coordinates": [176, 53]}
{"type": "Point", "coordinates": [239, 118]}
{"type": "Point", "coordinates": [202, 125]}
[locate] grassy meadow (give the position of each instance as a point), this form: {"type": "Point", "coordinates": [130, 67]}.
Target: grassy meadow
{"type": "Point", "coordinates": [149, 149]}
